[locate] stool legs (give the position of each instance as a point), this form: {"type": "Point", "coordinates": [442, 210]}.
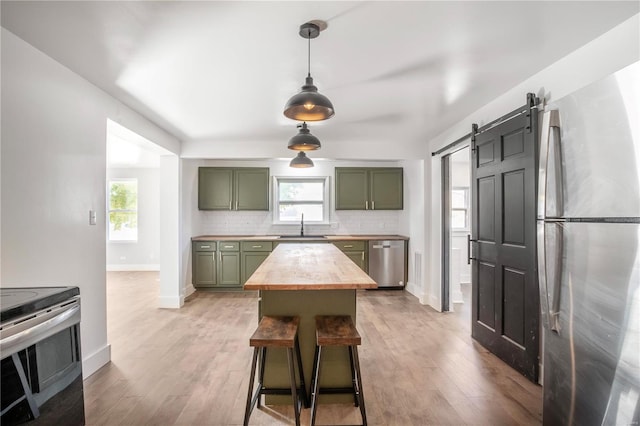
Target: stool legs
{"type": "Point", "coordinates": [254, 398]}
{"type": "Point", "coordinates": [250, 397]}
{"type": "Point", "coordinates": [294, 393]}
{"type": "Point", "coordinates": [305, 397]}
{"type": "Point", "coordinates": [356, 380]}
{"type": "Point", "coordinates": [315, 382]}
{"type": "Point", "coordinates": [356, 364]}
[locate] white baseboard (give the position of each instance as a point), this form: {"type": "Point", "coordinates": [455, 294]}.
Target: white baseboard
{"type": "Point", "coordinates": [412, 288]}
{"type": "Point", "coordinates": [133, 267]}
{"type": "Point", "coordinates": [189, 290]}
{"type": "Point", "coordinates": [170, 302]}
{"type": "Point", "coordinates": [92, 363]}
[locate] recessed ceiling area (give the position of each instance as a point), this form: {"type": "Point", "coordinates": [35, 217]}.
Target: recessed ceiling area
{"type": "Point", "coordinates": [221, 71]}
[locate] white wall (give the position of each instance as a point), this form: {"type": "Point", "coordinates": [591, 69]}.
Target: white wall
{"type": "Point", "coordinates": [143, 254]}
{"type": "Point", "coordinates": [412, 223]}
{"type": "Point", "coordinates": [53, 173]}
{"type": "Point", "coordinates": [599, 58]}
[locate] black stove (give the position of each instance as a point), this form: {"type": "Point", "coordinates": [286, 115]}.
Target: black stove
{"type": "Point", "coordinates": [17, 302]}
{"type": "Point", "coordinates": [41, 358]}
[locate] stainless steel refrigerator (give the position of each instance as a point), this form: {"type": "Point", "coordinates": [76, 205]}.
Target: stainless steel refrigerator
{"type": "Point", "coordinates": [589, 253]}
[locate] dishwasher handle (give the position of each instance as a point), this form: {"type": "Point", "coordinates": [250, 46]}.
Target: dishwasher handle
{"type": "Point", "coordinates": [381, 246]}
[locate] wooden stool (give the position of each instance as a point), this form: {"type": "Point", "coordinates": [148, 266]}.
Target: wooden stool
{"type": "Point", "coordinates": [276, 332]}
{"type": "Point", "coordinates": [337, 331]}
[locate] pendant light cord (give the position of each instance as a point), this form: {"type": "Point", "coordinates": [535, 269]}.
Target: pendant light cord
{"type": "Point", "coordinates": [309, 53]}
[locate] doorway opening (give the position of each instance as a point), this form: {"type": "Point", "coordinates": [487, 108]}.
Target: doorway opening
{"type": "Point", "coordinates": [142, 181]}
{"type": "Point", "coordinates": [456, 214]}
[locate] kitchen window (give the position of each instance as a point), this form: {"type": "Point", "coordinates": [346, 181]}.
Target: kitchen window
{"type": "Point", "coordinates": [460, 208]}
{"type": "Point", "coordinates": [301, 195]}
{"type": "Point", "coordinates": [123, 210]}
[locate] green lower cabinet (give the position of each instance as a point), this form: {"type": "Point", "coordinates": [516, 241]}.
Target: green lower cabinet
{"type": "Point", "coordinates": [204, 270]}
{"type": "Point", "coordinates": [359, 258]}
{"type": "Point", "coordinates": [253, 254]}
{"type": "Point", "coordinates": [229, 269]}
{"type": "Point", "coordinates": [356, 251]}
{"type": "Point", "coordinates": [250, 262]}
{"type": "Point", "coordinates": [229, 264]}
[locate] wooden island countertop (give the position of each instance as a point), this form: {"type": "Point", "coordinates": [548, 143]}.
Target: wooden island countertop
{"type": "Point", "coordinates": [308, 267]}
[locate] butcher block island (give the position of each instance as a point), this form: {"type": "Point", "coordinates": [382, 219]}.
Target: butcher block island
{"type": "Point", "coordinates": [308, 280]}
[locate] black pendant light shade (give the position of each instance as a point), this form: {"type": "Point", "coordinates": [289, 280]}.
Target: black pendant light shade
{"type": "Point", "coordinates": [304, 140]}
{"type": "Point", "coordinates": [309, 105]}
{"type": "Point", "coordinates": [301, 161]}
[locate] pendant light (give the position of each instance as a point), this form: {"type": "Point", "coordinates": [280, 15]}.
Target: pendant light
{"type": "Point", "coordinates": [301, 161]}
{"type": "Point", "coordinates": [309, 105]}
{"type": "Point", "coordinates": [304, 140]}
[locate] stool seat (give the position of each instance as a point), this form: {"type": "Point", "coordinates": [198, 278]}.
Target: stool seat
{"type": "Point", "coordinates": [336, 330]}
{"type": "Point", "coordinates": [275, 332]}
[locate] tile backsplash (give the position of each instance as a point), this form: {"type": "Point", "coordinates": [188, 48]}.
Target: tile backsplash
{"type": "Point", "coordinates": [261, 223]}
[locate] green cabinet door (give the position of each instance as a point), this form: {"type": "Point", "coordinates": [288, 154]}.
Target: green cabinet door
{"type": "Point", "coordinates": [250, 262]}
{"type": "Point", "coordinates": [352, 188]}
{"type": "Point", "coordinates": [203, 264]}
{"type": "Point", "coordinates": [228, 269]}
{"type": "Point", "coordinates": [358, 257]}
{"type": "Point", "coordinates": [386, 189]}
{"type": "Point", "coordinates": [251, 188]}
{"type": "Point", "coordinates": [215, 188]}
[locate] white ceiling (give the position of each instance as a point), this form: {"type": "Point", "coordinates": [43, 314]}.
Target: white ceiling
{"type": "Point", "coordinates": [222, 70]}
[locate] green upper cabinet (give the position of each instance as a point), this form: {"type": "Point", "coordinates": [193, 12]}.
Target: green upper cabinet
{"type": "Point", "coordinates": [215, 188]}
{"type": "Point", "coordinates": [352, 188]}
{"type": "Point", "coordinates": [386, 189]}
{"type": "Point", "coordinates": [252, 188]}
{"type": "Point", "coordinates": [223, 188]}
{"type": "Point", "coordinates": [377, 188]}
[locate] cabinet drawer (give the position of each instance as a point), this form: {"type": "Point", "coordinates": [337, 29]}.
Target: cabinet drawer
{"type": "Point", "coordinates": [228, 246]}
{"type": "Point", "coordinates": [204, 246]}
{"type": "Point", "coordinates": [350, 245]}
{"type": "Point", "coordinates": [257, 246]}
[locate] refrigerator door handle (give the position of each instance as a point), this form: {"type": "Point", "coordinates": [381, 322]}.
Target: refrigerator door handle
{"type": "Point", "coordinates": [542, 273]}
{"type": "Point", "coordinates": [550, 308]}
{"type": "Point", "coordinates": [554, 312]}
{"type": "Point", "coordinates": [550, 120]}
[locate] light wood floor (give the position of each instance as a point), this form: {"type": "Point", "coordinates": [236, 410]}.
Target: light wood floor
{"type": "Point", "coordinates": [191, 366]}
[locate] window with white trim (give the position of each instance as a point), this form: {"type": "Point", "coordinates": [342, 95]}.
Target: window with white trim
{"type": "Point", "coordinates": [460, 208]}
{"type": "Point", "coordinates": [295, 196]}
{"type": "Point", "coordinates": [123, 210]}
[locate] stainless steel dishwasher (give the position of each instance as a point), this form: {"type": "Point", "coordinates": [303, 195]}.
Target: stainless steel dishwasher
{"type": "Point", "coordinates": [387, 263]}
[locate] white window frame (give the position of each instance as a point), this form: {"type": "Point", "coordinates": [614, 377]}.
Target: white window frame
{"type": "Point", "coordinates": [109, 210]}
{"type": "Point", "coordinates": [466, 209]}
{"type": "Point", "coordinates": [326, 205]}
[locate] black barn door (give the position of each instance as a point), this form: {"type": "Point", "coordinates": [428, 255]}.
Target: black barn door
{"type": "Point", "coordinates": [505, 301]}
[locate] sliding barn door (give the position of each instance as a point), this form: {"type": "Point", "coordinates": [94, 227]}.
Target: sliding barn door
{"type": "Point", "coordinates": [505, 301]}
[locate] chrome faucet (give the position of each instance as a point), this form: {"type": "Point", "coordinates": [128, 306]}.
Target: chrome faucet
{"type": "Point", "coordinates": [302, 226]}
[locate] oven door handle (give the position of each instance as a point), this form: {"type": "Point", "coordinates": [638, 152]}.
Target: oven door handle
{"type": "Point", "coordinates": [35, 329]}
